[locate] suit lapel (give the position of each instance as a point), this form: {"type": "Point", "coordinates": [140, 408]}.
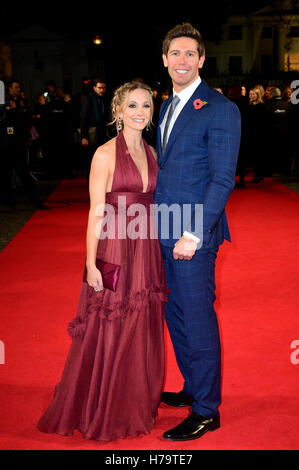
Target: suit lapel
{"type": "Point", "coordinates": [188, 112]}
{"type": "Point", "coordinates": [164, 108]}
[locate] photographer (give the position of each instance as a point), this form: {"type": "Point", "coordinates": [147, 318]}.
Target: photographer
{"type": "Point", "coordinates": [15, 134]}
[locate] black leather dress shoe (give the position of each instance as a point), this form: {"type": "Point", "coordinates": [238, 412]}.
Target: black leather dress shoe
{"type": "Point", "coordinates": [192, 427]}
{"type": "Point", "coordinates": [176, 399]}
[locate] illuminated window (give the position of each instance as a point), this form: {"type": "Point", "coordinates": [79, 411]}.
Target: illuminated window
{"type": "Point", "coordinates": [291, 62]}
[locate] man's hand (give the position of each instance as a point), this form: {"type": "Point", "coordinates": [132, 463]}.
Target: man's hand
{"type": "Point", "coordinates": [84, 142]}
{"type": "Point", "coordinates": [184, 248]}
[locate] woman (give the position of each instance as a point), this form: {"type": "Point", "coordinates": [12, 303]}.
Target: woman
{"type": "Point", "coordinates": [112, 381]}
{"type": "Point", "coordinates": [261, 91]}
{"type": "Point", "coordinates": [255, 96]}
{"type": "Point", "coordinates": [287, 94]}
{"type": "Point", "coordinates": [256, 122]}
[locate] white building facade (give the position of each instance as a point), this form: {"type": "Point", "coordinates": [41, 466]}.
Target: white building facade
{"type": "Point", "coordinates": [263, 42]}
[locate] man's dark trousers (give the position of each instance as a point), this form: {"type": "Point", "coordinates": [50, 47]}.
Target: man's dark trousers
{"type": "Point", "coordinates": [193, 326]}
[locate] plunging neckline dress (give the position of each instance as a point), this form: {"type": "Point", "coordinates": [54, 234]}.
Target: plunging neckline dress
{"type": "Point", "coordinates": [112, 380]}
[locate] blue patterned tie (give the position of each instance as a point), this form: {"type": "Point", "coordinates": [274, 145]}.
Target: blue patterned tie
{"type": "Point", "coordinates": [173, 105]}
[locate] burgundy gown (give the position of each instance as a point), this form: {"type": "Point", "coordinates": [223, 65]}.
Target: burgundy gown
{"type": "Point", "coordinates": [113, 377]}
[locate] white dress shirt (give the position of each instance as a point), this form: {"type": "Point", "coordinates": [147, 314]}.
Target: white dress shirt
{"type": "Point", "coordinates": [184, 96]}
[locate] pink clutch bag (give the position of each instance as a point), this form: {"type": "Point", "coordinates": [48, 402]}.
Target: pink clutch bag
{"type": "Point", "coordinates": [109, 271]}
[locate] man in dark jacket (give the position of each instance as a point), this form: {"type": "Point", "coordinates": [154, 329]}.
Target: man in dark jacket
{"type": "Point", "coordinates": [94, 117]}
{"type": "Point", "coordinates": [278, 130]}
{"type": "Point", "coordinates": [57, 120]}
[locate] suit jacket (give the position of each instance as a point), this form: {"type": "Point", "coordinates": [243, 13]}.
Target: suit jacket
{"type": "Point", "coordinates": [198, 166]}
{"type": "Point", "coordinates": [94, 114]}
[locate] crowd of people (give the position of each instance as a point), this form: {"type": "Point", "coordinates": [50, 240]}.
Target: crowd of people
{"type": "Point", "coordinates": [269, 124]}
{"type": "Point", "coordinates": [60, 133]}
{"type": "Point", "coordinates": [42, 131]}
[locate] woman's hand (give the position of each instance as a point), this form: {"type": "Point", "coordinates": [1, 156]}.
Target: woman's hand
{"type": "Point", "coordinates": [94, 278]}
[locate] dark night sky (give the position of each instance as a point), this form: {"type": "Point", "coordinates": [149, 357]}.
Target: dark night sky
{"type": "Point", "coordinates": [132, 33]}
{"type": "Point", "coordinates": [83, 17]}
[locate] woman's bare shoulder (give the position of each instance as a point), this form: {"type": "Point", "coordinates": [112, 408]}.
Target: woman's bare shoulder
{"type": "Point", "coordinates": [105, 153]}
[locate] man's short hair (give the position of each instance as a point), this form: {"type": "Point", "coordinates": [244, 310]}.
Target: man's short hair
{"type": "Point", "coordinates": [184, 30]}
{"type": "Point", "coordinates": [275, 91]}
{"type": "Point", "coordinates": [98, 80]}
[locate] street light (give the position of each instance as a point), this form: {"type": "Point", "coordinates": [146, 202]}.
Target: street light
{"type": "Point", "coordinates": [97, 40]}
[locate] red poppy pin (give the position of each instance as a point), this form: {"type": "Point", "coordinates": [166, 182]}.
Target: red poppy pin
{"type": "Point", "coordinates": [198, 103]}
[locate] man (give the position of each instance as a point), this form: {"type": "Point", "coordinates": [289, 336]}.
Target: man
{"type": "Point", "coordinates": [267, 94]}
{"type": "Point", "coordinates": [57, 134]}
{"type": "Point", "coordinates": [94, 115]}
{"type": "Point", "coordinates": [278, 127]}
{"type": "Point", "coordinates": [196, 166]}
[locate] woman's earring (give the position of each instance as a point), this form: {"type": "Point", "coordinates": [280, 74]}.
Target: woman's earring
{"type": "Point", "coordinates": [147, 127]}
{"type": "Point", "coordinates": [119, 124]}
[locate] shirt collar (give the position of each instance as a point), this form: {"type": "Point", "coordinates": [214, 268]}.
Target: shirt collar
{"type": "Point", "coordinates": [187, 92]}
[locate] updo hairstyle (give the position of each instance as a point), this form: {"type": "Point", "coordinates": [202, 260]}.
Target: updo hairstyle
{"type": "Point", "coordinates": [121, 95]}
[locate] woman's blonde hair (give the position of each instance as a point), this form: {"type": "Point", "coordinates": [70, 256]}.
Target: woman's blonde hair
{"type": "Point", "coordinates": [259, 94]}
{"type": "Point", "coordinates": [121, 95]}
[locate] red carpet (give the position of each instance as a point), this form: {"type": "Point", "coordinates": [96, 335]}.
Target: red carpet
{"type": "Point", "coordinates": [257, 306]}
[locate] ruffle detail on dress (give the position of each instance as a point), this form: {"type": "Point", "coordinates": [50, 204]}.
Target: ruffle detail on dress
{"type": "Point", "coordinates": [136, 302]}
{"type": "Point", "coordinates": [77, 327]}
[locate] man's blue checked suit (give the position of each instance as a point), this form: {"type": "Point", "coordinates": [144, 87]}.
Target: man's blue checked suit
{"type": "Point", "coordinates": [198, 167]}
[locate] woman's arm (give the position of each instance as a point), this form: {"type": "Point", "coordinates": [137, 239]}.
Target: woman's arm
{"type": "Point", "coordinates": [100, 174]}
